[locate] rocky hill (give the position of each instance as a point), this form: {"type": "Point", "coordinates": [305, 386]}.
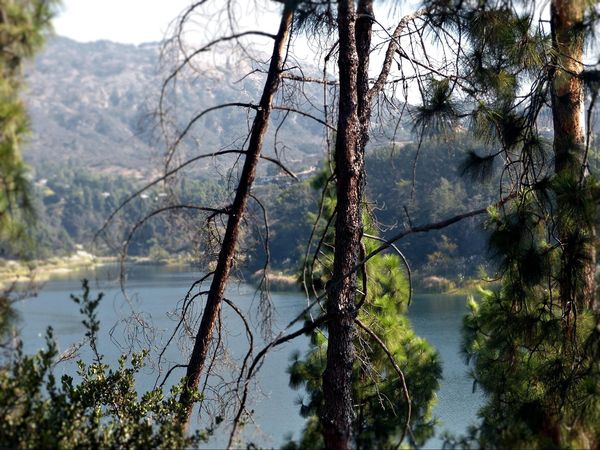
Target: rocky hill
{"type": "Point", "coordinates": [94, 105]}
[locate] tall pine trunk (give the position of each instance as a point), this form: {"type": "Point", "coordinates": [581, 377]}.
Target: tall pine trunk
{"type": "Point", "coordinates": [577, 284]}
{"type": "Point", "coordinates": [349, 164]}
{"type": "Point", "coordinates": [238, 209]}
{"type": "Point", "coordinates": [577, 235]}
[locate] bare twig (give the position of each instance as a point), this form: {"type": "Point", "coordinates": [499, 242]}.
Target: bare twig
{"type": "Point", "coordinates": [393, 47]}
{"type": "Point", "coordinates": [173, 172]}
{"type": "Point", "coordinates": [242, 407]}
{"type": "Point", "coordinates": [433, 226]}
{"type": "Point", "coordinates": [305, 114]}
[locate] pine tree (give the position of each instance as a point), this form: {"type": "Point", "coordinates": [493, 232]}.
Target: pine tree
{"type": "Point", "coordinates": [382, 407]}
{"type": "Point", "coordinates": [24, 25]}
{"type": "Point", "coordinates": [533, 342]}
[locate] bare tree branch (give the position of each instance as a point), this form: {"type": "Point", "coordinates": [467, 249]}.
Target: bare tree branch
{"type": "Point", "coordinates": [433, 226]}
{"type": "Point", "coordinates": [305, 79]}
{"type": "Point", "coordinates": [177, 169]}
{"type": "Point", "coordinates": [283, 339]}
{"type": "Point", "coordinates": [243, 399]}
{"type": "Point", "coordinates": [228, 248]}
{"type": "Point", "coordinates": [402, 257]}
{"type": "Point", "coordinates": [305, 114]}
{"type": "Point", "coordinates": [196, 118]}
{"type": "Point", "coordinates": [393, 47]}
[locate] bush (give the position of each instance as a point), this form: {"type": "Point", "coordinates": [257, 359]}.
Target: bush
{"type": "Point", "coordinates": [102, 410]}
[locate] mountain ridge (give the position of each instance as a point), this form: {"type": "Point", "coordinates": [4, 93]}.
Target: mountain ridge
{"type": "Point", "coordinates": [95, 105]}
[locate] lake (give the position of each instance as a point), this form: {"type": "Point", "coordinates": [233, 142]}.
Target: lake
{"type": "Point", "coordinates": [155, 292]}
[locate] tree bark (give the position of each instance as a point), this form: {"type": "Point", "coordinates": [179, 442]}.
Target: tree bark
{"type": "Point", "coordinates": [238, 209]}
{"type": "Point", "coordinates": [364, 27]}
{"type": "Point", "coordinates": [569, 141]}
{"type": "Point", "coordinates": [349, 163]}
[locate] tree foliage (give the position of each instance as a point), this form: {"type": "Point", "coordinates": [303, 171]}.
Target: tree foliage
{"type": "Point", "coordinates": [23, 27]}
{"type": "Point", "coordinates": [381, 404]}
{"type": "Point", "coordinates": [534, 341]}
{"type": "Point", "coordinates": [98, 408]}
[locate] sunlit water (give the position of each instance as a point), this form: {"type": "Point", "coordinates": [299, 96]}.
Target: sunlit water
{"type": "Point", "coordinates": [155, 291]}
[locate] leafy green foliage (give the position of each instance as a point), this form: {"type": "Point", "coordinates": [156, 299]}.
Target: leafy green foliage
{"type": "Point", "coordinates": [440, 192]}
{"type": "Point", "coordinates": [381, 407]}
{"type": "Point", "coordinates": [542, 389]}
{"type": "Point", "coordinates": [101, 408]}
{"type": "Point", "coordinates": [8, 316]}
{"type": "Point", "coordinates": [381, 410]}
{"type": "Point", "coordinates": [91, 323]}
{"type": "Point", "coordinates": [73, 204]}
{"type": "Point", "coordinates": [287, 234]}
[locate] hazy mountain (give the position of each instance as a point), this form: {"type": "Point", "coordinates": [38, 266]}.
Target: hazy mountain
{"type": "Point", "coordinates": [94, 105]}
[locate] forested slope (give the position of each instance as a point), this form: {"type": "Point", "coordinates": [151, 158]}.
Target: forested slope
{"type": "Point", "coordinates": [96, 140]}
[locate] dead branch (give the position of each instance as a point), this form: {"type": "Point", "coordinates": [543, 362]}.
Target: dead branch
{"type": "Point", "coordinates": [170, 371]}
{"type": "Point", "coordinates": [365, 278]}
{"type": "Point", "coordinates": [402, 257]}
{"type": "Point", "coordinates": [281, 166]}
{"type": "Point", "coordinates": [243, 399]}
{"type": "Point", "coordinates": [228, 249]}
{"type": "Point", "coordinates": [212, 361]}
{"type": "Point", "coordinates": [305, 79]}
{"type": "Point", "coordinates": [393, 46]}
{"type": "Point", "coordinates": [195, 119]}
{"type": "Point", "coordinates": [433, 226]}
{"type": "Point", "coordinates": [282, 340]}
{"type": "Point", "coordinates": [173, 172]}
{"type": "Point", "coordinates": [320, 244]}
{"type": "Point", "coordinates": [154, 213]}
{"type": "Point", "coordinates": [265, 307]}
{"type": "Point", "coordinates": [186, 302]}
{"type": "Point", "coordinates": [203, 49]}
{"type": "Point", "coordinates": [311, 237]}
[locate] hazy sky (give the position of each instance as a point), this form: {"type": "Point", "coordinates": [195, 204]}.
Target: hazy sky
{"type": "Point", "coordinates": [139, 21]}
{"type": "Point", "coordinates": [128, 21]}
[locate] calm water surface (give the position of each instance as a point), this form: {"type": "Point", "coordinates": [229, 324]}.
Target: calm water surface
{"type": "Point", "coordinates": [155, 291]}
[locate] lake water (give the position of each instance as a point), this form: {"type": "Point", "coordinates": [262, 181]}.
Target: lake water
{"type": "Point", "coordinates": [155, 291]}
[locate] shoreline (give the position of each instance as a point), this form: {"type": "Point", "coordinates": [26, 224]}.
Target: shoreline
{"type": "Point", "coordinates": [39, 271]}
{"type": "Point", "coordinates": [36, 271]}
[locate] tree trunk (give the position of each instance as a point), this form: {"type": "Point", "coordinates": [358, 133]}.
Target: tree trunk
{"type": "Point", "coordinates": [238, 209]}
{"type": "Point", "coordinates": [364, 26]}
{"type": "Point", "coordinates": [349, 163]}
{"type": "Point", "coordinates": [569, 144]}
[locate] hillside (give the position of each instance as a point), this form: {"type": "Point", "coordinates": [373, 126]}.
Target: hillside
{"type": "Point", "coordinates": [94, 105]}
{"type": "Point", "coordinates": [95, 139]}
